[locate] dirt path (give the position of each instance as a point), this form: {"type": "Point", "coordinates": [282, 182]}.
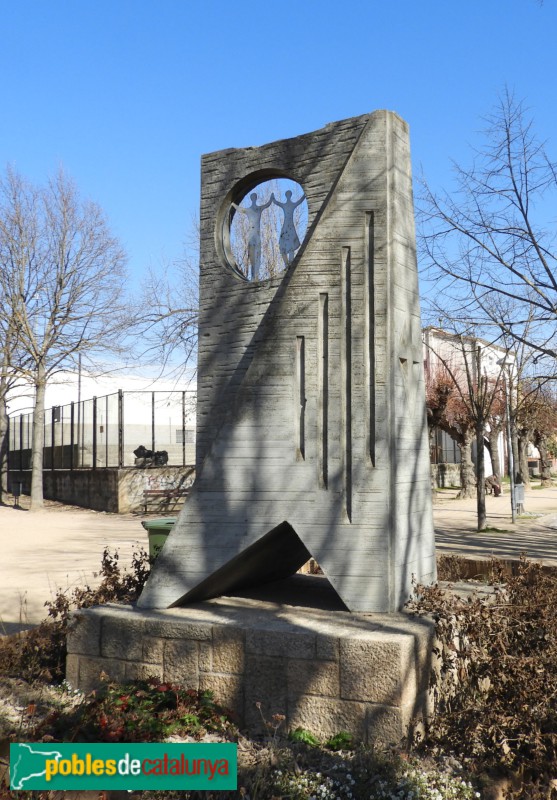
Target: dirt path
{"type": "Point", "coordinates": [60, 547]}
{"type": "Point", "coordinates": [534, 533]}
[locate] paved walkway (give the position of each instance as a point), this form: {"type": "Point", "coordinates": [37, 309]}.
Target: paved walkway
{"type": "Point", "coordinates": [61, 547]}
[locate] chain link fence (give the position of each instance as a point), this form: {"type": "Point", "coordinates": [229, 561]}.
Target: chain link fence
{"type": "Point", "coordinates": [104, 431]}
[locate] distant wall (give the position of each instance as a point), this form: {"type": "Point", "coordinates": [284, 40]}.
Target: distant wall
{"type": "Point", "coordinates": [115, 490]}
{"type": "Point", "coordinates": [446, 475]}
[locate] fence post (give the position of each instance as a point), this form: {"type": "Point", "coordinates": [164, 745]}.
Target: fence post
{"type": "Point", "coordinates": [52, 438]}
{"type": "Point", "coordinates": [120, 429]}
{"type": "Point", "coordinates": [8, 439]}
{"type": "Point", "coordinates": [94, 466]}
{"type": "Point", "coordinates": [153, 421]}
{"type": "Point", "coordinates": [72, 421]}
{"type": "Point", "coordinates": [79, 438]}
{"type": "Point", "coordinates": [183, 429]}
{"type": "Point", "coordinates": [62, 453]}
{"type": "Point", "coordinates": [20, 442]}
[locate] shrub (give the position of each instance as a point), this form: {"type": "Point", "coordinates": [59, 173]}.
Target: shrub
{"type": "Point", "coordinates": [340, 741]}
{"type": "Point", "coordinates": [140, 711]}
{"type": "Point", "coordinates": [496, 686]}
{"type": "Point", "coordinates": [40, 653]}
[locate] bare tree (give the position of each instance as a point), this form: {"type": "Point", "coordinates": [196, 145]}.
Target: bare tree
{"type": "Point", "coordinates": [489, 244]}
{"type": "Point", "coordinates": [18, 245]}
{"type": "Point", "coordinates": [167, 313]}
{"type": "Point", "coordinates": [539, 417]}
{"type": "Point", "coordinates": [473, 396]}
{"type": "Point", "coordinates": [62, 278]}
{"type": "Point", "coordinates": [10, 354]}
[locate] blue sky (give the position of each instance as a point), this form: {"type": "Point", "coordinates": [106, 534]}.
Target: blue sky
{"type": "Point", "coordinates": [128, 94]}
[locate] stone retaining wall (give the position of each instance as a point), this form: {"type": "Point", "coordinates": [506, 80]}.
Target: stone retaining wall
{"type": "Point", "coordinates": [326, 671]}
{"type": "Point", "coordinates": [119, 491]}
{"type": "Point", "coordinates": [446, 475]}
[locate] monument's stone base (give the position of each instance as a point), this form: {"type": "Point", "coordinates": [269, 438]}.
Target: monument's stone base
{"type": "Point", "coordinates": [326, 670]}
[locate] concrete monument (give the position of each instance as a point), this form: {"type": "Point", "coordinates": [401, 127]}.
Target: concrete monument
{"type": "Point", "coordinates": [311, 428]}
{"type": "Point", "coordinates": [311, 440]}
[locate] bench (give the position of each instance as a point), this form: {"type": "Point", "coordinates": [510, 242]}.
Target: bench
{"type": "Point", "coordinates": [163, 496]}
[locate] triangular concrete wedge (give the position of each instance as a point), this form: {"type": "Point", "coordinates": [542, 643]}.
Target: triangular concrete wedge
{"type": "Point", "coordinates": [278, 554]}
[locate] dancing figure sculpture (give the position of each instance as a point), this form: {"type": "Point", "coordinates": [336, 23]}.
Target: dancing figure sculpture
{"type": "Point", "coordinates": [288, 239]}
{"type": "Point", "coordinates": [253, 216]}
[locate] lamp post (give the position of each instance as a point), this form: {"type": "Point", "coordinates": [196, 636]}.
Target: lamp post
{"type": "Point", "coordinates": [510, 449]}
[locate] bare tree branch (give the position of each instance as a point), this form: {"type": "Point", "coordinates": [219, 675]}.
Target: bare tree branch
{"type": "Point", "coordinates": [488, 245]}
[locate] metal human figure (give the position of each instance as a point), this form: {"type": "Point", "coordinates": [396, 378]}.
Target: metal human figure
{"type": "Point", "coordinates": [253, 215]}
{"type": "Point", "coordinates": [288, 239]}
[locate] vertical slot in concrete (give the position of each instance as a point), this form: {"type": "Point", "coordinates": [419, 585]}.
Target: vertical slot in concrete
{"type": "Point", "coordinates": [346, 369]}
{"type": "Point", "coordinates": [300, 398]}
{"type": "Point", "coordinates": [369, 334]}
{"type": "Point", "coordinates": [323, 388]}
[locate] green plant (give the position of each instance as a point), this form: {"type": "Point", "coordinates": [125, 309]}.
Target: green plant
{"type": "Point", "coordinates": [365, 774]}
{"type": "Point", "coordinates": [303, 737]}
{"type": "Point", "coordinates": [292, 770]}
{"type": "Point", "coordinates": [340, 741]}
{"type": "Point", "coordinates": [141, 711]}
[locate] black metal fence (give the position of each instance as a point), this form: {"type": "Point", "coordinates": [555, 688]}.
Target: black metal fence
{"type": "Point", "coordinates": [104, 431]}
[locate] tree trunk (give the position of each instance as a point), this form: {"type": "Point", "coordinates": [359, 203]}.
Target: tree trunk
{"type": "Point", "coordinates": [523, 476]}
{"type": "Point", "coordinates": [540, 440]}
{"type": "Point", "coordinates": [38, 443]}
{"type": "Point", "coordinates": [4, 424]}
{"type": "Point", "coordinates": [431, 430]}
{"type": "Point", "coordinates": [487, 445]}
{"type": "Point", "coordinates": [496, 465]}
{"type": "Point", "coordinates": [480, 475]}
{"type": "Point", "coordinates": [467, 478]}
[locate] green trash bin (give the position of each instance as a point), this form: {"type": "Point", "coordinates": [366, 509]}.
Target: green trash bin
{"type": "Point", "coordinates": [158, 530]}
